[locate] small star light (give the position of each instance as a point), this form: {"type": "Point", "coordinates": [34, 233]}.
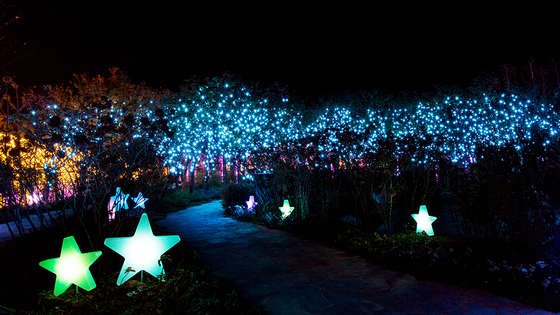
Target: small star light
{"type": "Point", "coordinates": [71, 267]}
{"type": "Point", "coordinates": [33, 199]}
{"type": "Point", "coordinates": [119, 200]}
{"type": "Point", "coordinates": [142, 251]}
{"type": "Point", "coordinates": [424, 221]}
{"type": "Point", "coordinates": [140, 201]}
{"type": "Point", "coordinates": [251, 203]}
{"type": "Point", "coordinates": [286, 209]}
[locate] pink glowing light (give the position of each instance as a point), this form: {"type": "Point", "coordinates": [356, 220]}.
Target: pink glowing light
{"type": "Point", "coordinates": [251, 203]}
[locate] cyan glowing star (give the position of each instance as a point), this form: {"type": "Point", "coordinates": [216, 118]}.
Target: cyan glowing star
{"type": "Point", "coordinates": [424, 221]}
{"type": "Point", "coordinates": [140, 200]}
{"type": "Point", "coordinates": [71, 267]}
{"type": "Point", "coordinates": [142, 251]}
{"type": "Point", "coordinates": [251, 203]}
{"type": "Point", "coordinates": [119, 200]}
{"type": "Point", "coordinates": [286, 209]}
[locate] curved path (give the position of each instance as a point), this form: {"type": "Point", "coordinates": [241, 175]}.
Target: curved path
{"type": "Point", "coordinates": [287, 274]}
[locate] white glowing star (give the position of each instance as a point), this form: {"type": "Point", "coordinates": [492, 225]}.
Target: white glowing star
{"type": "Point", "coordinates": [33, 198]}
{"type": "Point", "coordinates": [140, 201]}
{"type": "Point", "coordinates": [251, 203]}
{"type": "Point", "coordinates": [71, 267]}
{"type": "Point", "coordinates": [424, 221]}
{"type": "Point", "coordinates": [286, 209]}
{"type": "Point", "coordinates": [119, 200]}
{"type": "Point", "coordinates": [142, 251]}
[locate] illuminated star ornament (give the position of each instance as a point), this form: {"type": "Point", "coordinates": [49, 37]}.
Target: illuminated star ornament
{"type": "Point", "coordinates": [251, 203]}
{"type": "Point", "coordinates": [71, 267]}
{"type": "Point", "coordinates": [286, 209]}
{"type": "Point", "coordinates": [142, 251]}
{"type": "Point", "coordinates": [119, 200]}
{"type": "Point", "coordinates": [140, 200]}
{"type": "Point", "coordinates": [424, 221]}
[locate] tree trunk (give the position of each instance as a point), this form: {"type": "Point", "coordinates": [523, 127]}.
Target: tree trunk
{"type": "Point", "coordinates": [224, 170]}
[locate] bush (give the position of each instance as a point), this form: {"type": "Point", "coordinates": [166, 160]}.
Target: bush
{"type": "Point", "coordinates": [177, 199]}
{"type": "Point", "coordinates": [502, 200]}
{"type": "Point", "coordinates": [212, 193]}
{"type": "Point", "coordinates": [236, 194]}
{"type": "Point", "coordinates": [243, 214]}
{"type": "Point", "coordinates": [191, 289]}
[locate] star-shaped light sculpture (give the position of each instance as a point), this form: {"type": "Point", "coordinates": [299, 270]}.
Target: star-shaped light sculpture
{"type": "Point", "coordinates": [142, 251]}
{"type": "Point", "coordinates": [424, 221]}
{"type": "Point", "coordinates": [251, 203]}
{"type": "Point", "coordinates": [33, 199]}
{"type": "Point", "coordinates": [286, 209]}
{"type": "Point", "coordinates": [140, 200]}
{"type": "Point", "coordinates": [119, 200]}
{"type": "Point", "coordinates": [71, 267]}
{"type": "Point", "coordinates": [111, 209]}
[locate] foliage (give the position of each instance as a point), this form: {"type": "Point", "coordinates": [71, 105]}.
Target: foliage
{"type": "Point", "coordinates": [455, 260]}
{"type": "Point", "coordinates": [83, 140]}
{"type": "Point", "coordinates": [179, 199]}
{"type": "Point", "coordinates": [190, 288]}
{"type": "Point", "coordinates": [508, 199]}
{"type": "Point", "coordinates": [243, 213]}
{"type": "Point", "coordinates": [236, 195]}
{"type": "Point", "coordinates": [219, 122]}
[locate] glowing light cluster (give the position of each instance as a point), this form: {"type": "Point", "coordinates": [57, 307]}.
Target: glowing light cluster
{"type": "Point", "coordinates": [238, 127]}
{"type": "Point", "coordinates": [224, 123]}
{"type": "Point", "coordinates": [44, 164]}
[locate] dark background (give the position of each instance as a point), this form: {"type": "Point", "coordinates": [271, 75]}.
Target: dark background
{"type": "Point", "coordinates": [311, 48]}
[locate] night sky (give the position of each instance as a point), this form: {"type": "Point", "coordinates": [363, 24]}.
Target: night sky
{"type": "Point", "coordinates": [312, 49]}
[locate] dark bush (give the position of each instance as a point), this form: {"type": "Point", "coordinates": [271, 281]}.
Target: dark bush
{"type": "Point", "coordinates": [236, 194]}
{"type": "Point", "coordinates": [503, 199]}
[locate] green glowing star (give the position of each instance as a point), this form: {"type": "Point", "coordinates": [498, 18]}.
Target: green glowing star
{"type": "Point", "coordinates": [424, 221]}
{"type": "Point", "coordinates": [71, 267]}
{"type": "Point", "coordinates": [142, 251]}
{"type": "Point", "coordinates": [286, 209]}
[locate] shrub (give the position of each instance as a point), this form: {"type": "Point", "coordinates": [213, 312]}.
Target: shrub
{"type": "Point", "coordinates": [502, 200]}
{"type": "Point", "coordinates": [243, 214]}
{"type": "Point", "coordinates": [236, 194]}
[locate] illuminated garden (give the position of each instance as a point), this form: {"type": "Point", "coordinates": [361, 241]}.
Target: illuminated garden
{"type": "Point", "coordinates": [359, 172]}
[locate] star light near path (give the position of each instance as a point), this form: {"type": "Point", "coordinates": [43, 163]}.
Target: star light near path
{"type": "Point", "coordinates": [142, 251]}
{"type": "Point", "coordinates": [71, 267]}
{"type": "Point", "coordinates": [286, 209]}
{"type": "Point", "coordinates": [119, 200]}
{"type": "Point", "coordinates": [424, 221]}
{"type": "Point", "coordinates": [140, 200]}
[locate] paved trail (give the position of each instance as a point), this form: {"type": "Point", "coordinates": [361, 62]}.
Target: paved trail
{"type": "Point", "coordinates": [287, 274]}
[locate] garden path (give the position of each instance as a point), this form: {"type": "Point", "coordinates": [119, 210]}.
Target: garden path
{"type": "Point", "coordinates": [288, 274]}
{"type": "Point", "coordinates": [5, 234]}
